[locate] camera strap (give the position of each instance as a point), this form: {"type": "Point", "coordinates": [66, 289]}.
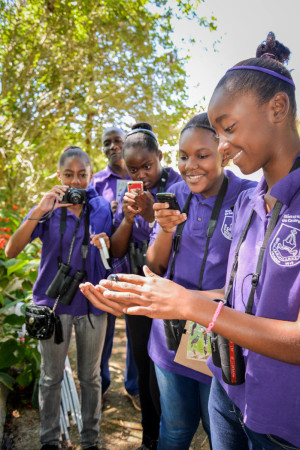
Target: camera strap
{"type": "Point", "coordinates": [62, 229]}
{"type": "Point", "coordinates": [174, 328]}
{"type": "Point", "coordinates": [270, 228]}
{"type": "Point", "coordinates": [209, 231]}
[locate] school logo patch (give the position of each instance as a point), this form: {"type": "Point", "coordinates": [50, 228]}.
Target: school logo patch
{"type": "Point", "coordinates": [285, 246]}
{"type": "Point", "coordinates": [227, 224]}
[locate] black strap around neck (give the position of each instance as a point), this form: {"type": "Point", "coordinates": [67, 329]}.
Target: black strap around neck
{"type": "Point", "coordinates": [209, 231]}
{"type": "Point", "coordinates": [62, 229]}
{"type": "Point", "coordinates": [255, 276]}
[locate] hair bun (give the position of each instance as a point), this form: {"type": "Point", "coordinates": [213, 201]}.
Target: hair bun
{"type": "Point", "coordinates": [143, 125]}
{"type": "Point", "coordinates": [272, 48]}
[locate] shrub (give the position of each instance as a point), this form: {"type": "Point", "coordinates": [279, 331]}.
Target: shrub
{"type": "Point", "coordinates": [19, 355]}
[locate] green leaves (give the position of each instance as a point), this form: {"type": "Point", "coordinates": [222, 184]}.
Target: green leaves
{"type": "Point", "coordinates": [19, 357]}
{"type": "Point", "coordinates": [11, 353]}
{"type": "Point", "coordinates": [71, 68]}
{"type": "Point", "coordinates": [7, 380]}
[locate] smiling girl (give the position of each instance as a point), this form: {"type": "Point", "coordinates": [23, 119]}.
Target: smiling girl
{"type": "Point", "coordinates": [253, 110]}
{"type": "Point", "coordinates": [184, 392]}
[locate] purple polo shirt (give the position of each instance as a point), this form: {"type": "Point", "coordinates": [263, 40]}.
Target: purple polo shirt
{"type": "Point", "coordinates": [48, 232]}
{"type": "Point", "coordinates": [105, 183]}
{"type": "Point", "coordinates": [189, 260]}
{"type": "Point", "coordinates": [143, 231]}
{"type": "Point", "coordinates": [270, 397]}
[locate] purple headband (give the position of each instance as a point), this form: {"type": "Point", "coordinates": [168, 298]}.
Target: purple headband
{"type": "Point", "coordinates": [263, 69]}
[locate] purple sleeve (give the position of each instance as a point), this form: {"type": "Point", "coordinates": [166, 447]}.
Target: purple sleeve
{"type": "Point", "coordinates": [154, 233]}
{"type": "Point", "coordinates": [38, 231]}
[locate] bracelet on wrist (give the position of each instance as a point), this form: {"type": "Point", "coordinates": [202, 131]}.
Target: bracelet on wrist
{"type": "Point", "coordinates": [215, 316]}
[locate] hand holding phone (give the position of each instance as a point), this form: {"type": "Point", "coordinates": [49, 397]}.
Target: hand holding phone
{"type": "Point", "coordinates": [168, 197]}
{"type": "Point", "coordinates": [168, 218]}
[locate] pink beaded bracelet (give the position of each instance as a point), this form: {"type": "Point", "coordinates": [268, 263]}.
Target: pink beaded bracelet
{"type": "Point", "coordinates": [215, 316]}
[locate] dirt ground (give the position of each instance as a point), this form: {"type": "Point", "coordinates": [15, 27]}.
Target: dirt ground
{"type": "Point", "coordinates": [120, 423]}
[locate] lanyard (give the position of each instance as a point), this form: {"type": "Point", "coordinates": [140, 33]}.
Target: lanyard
{"type": "Point", "coordinates": [62, 229]}
{"type": "Point", "coordinates": [255, 276]}
{"type": "Point", "coordinates": [163, 181]}
{"type": "Point", "coordinates": [209, 231]}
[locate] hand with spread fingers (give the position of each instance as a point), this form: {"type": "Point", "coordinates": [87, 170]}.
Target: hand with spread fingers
{"type": "Point", "coordinates": [151, 295]}
{"type": "Point", "coordinates": [95, 295]}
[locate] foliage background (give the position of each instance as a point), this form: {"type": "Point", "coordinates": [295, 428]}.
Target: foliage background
{"type": "Point", "coordinates": [70, 68]}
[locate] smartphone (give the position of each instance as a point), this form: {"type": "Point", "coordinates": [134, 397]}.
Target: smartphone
{"type": "Point", "coordinates": [168, 197]}
{"type": "Point", "coordinates": [136, 187]}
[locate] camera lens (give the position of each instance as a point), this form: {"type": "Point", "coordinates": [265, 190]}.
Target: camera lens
{"type": "Point", "coordinates": [75, 196]}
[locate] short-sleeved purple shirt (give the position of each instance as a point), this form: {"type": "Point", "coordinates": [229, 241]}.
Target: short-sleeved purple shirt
{"type": "Point", "coordinates": [189, 260]}
{"type": "Point", "coordinates": [142, 231]}
{"type": "Point", "coordinates": [48, 232]}
{"type": "Point", "coordinates": [105, 183]}
{"type": "Point", "coordinates": [270, 397]}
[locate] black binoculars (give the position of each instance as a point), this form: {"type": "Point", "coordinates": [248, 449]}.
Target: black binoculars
{"type": "Point", "coordinates": [65, 286]}
{"type": "Point", "coordinates": [229, 357]}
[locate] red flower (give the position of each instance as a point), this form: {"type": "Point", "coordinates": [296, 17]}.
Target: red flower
{"type": "Point", "coordinates": [6, 220]}
{"type": "Point", "coordinates": [15, 207]}
{"type": "Point", "coordinates": [3, 242]}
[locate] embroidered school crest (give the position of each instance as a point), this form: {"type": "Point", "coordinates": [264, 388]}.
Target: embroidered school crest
{"type": "Point", "coordinates": [285, 246]}
{"type": "Point", "coordinates": [227, 224]}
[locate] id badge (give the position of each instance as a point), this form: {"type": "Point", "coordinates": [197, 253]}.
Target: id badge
{"type": "Point", "coordinates": [198, 347]}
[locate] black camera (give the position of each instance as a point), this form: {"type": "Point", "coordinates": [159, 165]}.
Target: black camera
{"type": "Point", "coordinates": [75, 196]}
{"type": "Point", "coordinates": [64, 285]}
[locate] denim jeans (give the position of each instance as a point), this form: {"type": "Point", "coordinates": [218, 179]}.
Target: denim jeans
{"type": "Point", "coordinates": [184, 402]}
{"type": "Point", "coordinates": [89, 343]}
{"type": "Point", "coordinates": [131, 375]}
{"type": "Point", "coordinates": [228, 431]}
